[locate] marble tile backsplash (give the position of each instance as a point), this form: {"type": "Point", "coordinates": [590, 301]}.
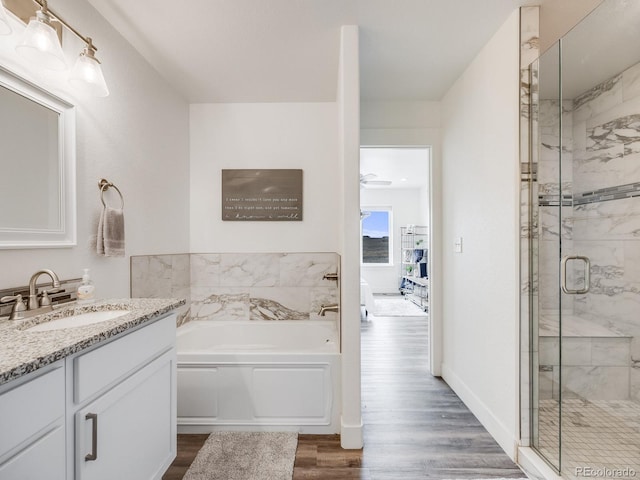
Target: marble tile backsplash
{"type": "Point", "coordinates": [246, 286]}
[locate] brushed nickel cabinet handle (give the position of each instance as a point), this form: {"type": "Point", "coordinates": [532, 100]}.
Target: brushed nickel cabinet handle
{"type": "Point", "coordinates": [94, 437]}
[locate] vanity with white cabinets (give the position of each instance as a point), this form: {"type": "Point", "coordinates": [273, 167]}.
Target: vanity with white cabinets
{"type": "Point", "coordinates": [89, 402]}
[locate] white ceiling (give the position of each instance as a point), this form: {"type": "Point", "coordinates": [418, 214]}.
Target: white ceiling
{"type": "Point", "coordinates": [405, 167]}
{"type": "Point", "coordinates": [287, 50]}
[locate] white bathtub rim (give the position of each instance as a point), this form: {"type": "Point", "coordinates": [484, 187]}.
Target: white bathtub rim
{"type": "Point", "coordinates": [320, 336]}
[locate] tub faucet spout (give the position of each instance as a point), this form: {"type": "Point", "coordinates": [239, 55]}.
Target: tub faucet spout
{"type": "Point", "coordinates": [327, 308]}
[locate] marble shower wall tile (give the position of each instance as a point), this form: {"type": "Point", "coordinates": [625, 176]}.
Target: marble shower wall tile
{"type": "Point", "coordinates": [608, 221]}
{"type": "Point", "coordinates": [600, 98]}
{"type": "Point", "coordinates": [596, 383]}
{"type": "Point", "coordinates": [635, 383]}
{"type": "Point", "coordinates": [554, 223]}
{"type": "Point", "coordinates": [529, 35]}
{"type": "Point", "coordinates": [611, 138]}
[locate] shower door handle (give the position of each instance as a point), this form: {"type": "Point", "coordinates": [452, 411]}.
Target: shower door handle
{"type": "Point", "coordinates": [563, 274]}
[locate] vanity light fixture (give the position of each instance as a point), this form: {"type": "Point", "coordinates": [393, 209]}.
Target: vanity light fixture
{"type": "Point", "coordinates": [87, 74]}
{"type": "Point", "coordinates": [5, 27]}
{"type": "Point", "coordinates": [41, 45]}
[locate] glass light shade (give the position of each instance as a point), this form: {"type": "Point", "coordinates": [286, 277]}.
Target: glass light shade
{"type": "Point", "coordinates": [41, 46]}
{"type": "Point", "coordinates": [87, 76]}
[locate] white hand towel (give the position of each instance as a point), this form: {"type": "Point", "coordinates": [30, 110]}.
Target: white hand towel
{"type": "Point", "coordinates": [111, 233]}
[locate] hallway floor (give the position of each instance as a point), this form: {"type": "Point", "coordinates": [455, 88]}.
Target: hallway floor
{"type": "Point", "coordinates": [415, 426]}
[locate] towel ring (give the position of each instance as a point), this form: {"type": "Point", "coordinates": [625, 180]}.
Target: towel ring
{"type": "Point", "coordinates": [104, 185]}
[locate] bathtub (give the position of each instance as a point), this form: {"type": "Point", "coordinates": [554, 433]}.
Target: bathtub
{"type": "Point", "coordinates": [258, 375]}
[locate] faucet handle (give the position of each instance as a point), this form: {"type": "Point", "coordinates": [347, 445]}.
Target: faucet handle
{"type": "Point", "coordinates": [11, 298]}
{"type": "Point", "coordinates": [45, 301]}
{"type": "Point", "coordinates": [18, 307]}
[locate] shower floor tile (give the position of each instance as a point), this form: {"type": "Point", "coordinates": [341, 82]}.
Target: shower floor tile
{"type": "Point", "coordinates": [600, 438]}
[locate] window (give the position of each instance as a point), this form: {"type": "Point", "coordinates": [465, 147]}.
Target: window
{"type": "Point", "coordinates": [376, 235]}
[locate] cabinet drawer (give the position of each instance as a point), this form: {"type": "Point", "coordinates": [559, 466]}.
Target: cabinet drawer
{"type": "Point", "coordinates": [30, 407]}
{"type": "Point", "coordinates": [103, 366]}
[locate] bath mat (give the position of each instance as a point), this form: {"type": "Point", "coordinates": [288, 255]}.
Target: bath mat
{"type": "Point", "coordinates": [245, 456]}
{"type": "Point", "coordinates": [396, 307]}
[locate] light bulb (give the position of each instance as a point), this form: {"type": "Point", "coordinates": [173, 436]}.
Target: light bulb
{"type": "Point", "coordinates": [87, 74]}
{"type": "Point", "coordinates": [40, 43]}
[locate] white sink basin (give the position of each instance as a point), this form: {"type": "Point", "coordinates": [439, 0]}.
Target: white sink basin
{"type": "Point", "coordinates": [79, 320]}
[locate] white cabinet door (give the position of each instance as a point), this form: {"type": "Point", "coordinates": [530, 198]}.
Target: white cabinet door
{"type": "Point", "coordinates": [32, 433]}
{"type": "Point", "coordinates": [29, 406]}
{"type": "Point", "coordinates": [129, 432]}
{"type": "Point", "coordinates": [43, 459]}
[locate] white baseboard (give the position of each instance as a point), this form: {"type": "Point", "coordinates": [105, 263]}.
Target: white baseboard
{"type": "Point", "coordinates": [351, 436]}
{"type": "Point", "coordinates": [505, 438]}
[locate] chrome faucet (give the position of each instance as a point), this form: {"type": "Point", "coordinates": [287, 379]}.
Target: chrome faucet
{"type": "Point", "coordinates": [330, 276]}
{"type": "Point", "coordinates": [328, 308]}
{"type": "Point", "coordinates": [45, 302]}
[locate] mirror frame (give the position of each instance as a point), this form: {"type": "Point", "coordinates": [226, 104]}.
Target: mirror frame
{"type": "Point", "coordinates": [65, 234]}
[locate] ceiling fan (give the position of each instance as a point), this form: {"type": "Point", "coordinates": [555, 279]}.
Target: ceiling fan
{"type": "Point", "coordinates": [368, 179]}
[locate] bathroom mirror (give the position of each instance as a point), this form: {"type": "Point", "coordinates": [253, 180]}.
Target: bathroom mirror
{"type": "Point", "coordinates": [37, 167]}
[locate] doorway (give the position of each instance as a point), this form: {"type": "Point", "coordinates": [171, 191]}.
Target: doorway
{"type": "Point", "coordinates": [395, 218]}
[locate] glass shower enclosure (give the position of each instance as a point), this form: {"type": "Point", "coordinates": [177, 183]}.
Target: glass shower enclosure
{"type": "Point", "coordinates": [585, 247]}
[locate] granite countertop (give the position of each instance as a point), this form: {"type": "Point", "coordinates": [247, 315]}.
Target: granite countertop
{"type": "Point", "coordinates": [22, 352]}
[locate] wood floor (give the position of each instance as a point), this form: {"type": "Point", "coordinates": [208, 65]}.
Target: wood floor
{"type": "Point", "coordinates": [415, 427]}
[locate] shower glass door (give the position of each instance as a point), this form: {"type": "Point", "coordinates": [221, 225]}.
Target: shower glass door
{"type": "Point", "coordinates": [586, 260]}
{"type": "Point", "coordinates": [547, 236]}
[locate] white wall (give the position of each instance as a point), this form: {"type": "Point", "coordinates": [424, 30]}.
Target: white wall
{"type": "Point", "coordinates": [406, 209]}
{"type": "Point", "coordinates": [137, 138]}
{"type": "Point", "coordinates": [349, 179]}
{"type": "Point", "coordinates": [265, 135]}
{"type": "Point", "coordinates": [480, 286]}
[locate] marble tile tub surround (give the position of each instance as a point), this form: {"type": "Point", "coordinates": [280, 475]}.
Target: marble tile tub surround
{"type": "Point", "coordinates": [22, 352]}
{"type": "Point", "coordinates": [241, 286]}
{"type": "Point", "coordinates": [163, 276]}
